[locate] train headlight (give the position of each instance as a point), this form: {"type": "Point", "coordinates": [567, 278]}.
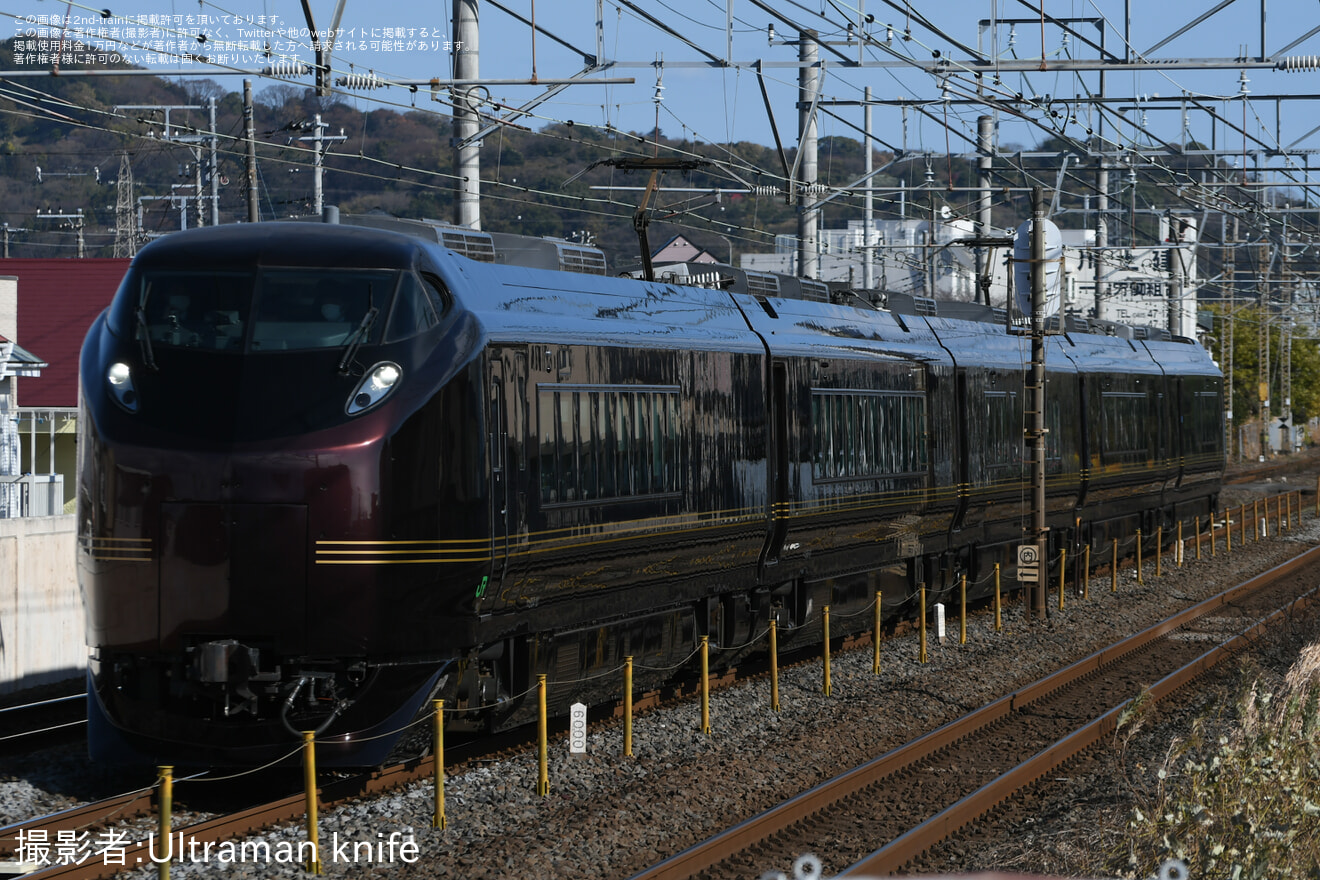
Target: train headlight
{"type": "Point", "coordinates": [120, 379]}
{"type": "Point", "coordinates": [374, 387]}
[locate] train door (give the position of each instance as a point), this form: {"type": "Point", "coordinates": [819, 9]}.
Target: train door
{"type": "Point", "coordinates": [506, 419]}
{"type": "Point", "coordinates": [779, 468]}
{"type": "Point", "coordinates": [497, 436]}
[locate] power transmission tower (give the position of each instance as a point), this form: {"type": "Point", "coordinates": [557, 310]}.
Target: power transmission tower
{"type": "Point", "coordinates": [125, 227]}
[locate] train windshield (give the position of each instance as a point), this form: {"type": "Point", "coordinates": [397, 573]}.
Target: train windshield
{"type": "Point", "coordinates": [267, 310]}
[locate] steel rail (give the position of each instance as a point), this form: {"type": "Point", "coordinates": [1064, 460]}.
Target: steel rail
{"type": "Point", "coordinates": [221, 828]}
{"type": "Point", "coordinates": [751, 832]}
{"type": "Point", "coordinates": [894, 855]}
{"type": "Point", "coordinates": [123, 806]}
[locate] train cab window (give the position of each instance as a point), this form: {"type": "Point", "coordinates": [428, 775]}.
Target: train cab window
{"type": "Point", "coordinates": [436, 292]}
{"type": "Point", "coordinates": [300, 309]}
{"type": "Point", "coordinates": [413, 312]}
{"type": "Point", "coordinates": [190, 310]}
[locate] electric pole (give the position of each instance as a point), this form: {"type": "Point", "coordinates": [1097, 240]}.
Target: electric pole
{"type": "Point", "coordinates": [806, 161]}
{"type": "Point", "coordinates": [1036, 400]}
{"type": "Point", "coordinates": [321, 142]}
{"type": "Point", "coordinates": [250, 167]}
{"type": "Point", "coordinates": [72, 221]}
{"type": "Point", "coordinates": [467, 155]}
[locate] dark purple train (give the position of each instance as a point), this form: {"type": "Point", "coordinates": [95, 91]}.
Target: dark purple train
{"type": "Point", "coordinates": [330, 472]}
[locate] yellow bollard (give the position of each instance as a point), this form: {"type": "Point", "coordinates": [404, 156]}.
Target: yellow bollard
{"type": "Point", "coordinates": [921, 614]}
{"type": "Point", "coordinates": [1159, 550]}
{"type": "Point", "coordinates": [164, 807]}
{"type": "Point", "coordinates": [542, 735]}
{"type": "Point", "coordinates": [1228, 532]}
{"type": "Point", "coordinates": [309, 783]}
{"type": "Point", "coordinates": [774, 666]}
{"type": "Point", "coordinates": [1086, 572]}
{"type": "Point", "coordinates": [627, 705]}
{"type": "Point", "coordinates": [1113, 570]}
{"type": "Point", "coordinates": [1212, 536]}
{"type": "Point", "coordinates": [1197, 529]}
{"type": "Point", "coordinates": [1063, 567]}
{"type": "Point", "coordinates": [438, 748]}
{"type": "Point", "coordinates": [705, 684]}
{"type": "Point", "coordinates": [1255, 519]}
{"type": "Point", "coordinates": [962, 611]}
{"type": "Point", "coordinates": [1179, 557]}
{"type": "Point", "coordinates": [999, 605]}
{"type": "Point", "coordinates": [875, 646]}
{"type": "Point", "coordinates": [1139, 580]}
{"type": "Point", "coordinates": [826, 640]}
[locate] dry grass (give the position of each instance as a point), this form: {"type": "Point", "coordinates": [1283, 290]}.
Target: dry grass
{"type": "Point", "coordinates": [1245, 804]}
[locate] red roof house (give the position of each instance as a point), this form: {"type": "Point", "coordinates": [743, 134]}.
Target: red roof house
{"type": "Point", "coordinates": [57, 302]}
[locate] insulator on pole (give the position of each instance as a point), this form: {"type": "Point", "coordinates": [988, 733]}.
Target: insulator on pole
{"type": "Point", "coordinates": [287, 68]}
{"type": "Point", "coordinates": [360, 81]}
{"type": "Point", "coordinates": [1298, 63]}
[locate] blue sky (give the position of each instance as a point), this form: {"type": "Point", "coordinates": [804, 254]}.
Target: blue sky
{"type": "Point", "coordinates": [397, 41]}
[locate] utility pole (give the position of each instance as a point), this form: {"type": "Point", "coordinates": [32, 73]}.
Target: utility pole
{"type": "Point", "coordinates": [806, 161]}
{"type": "Point", "coordinates": [1101, 238]}
{"type": "Point", "coordinates": [250, 167]}
{"type": "Point", "coordinates": [74, 222]}
{"type": "Point", "coordinates": [1176, 285]}
{"type": "Point", "coordinates": [868, 200]}
{"type": "Point", "coordinates": [320, 143]}
{"type": "Point", "coordinates": [214, 168]}
{"type": "Point", "coordinates": [1263, 365]}
{"type": "Point", "coordinates": [1285, 341]}
{"type": "Point", "coordinates": [467, 155]}
{"type": "Point", "coordinates": [1230, 271]}
{"type": "Point", "coordinates": [194, 141]}
{"type": "Point", "coordinates": [1036, 399]}
{"type": "Point", "coordinates": [985, 132]}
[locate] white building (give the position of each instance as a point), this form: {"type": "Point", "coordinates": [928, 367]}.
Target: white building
{"type": "Point", "coordinates": [1128, 285]}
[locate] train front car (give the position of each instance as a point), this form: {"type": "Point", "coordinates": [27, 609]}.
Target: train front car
{"type": "Point", "coordinates": [246, 399]}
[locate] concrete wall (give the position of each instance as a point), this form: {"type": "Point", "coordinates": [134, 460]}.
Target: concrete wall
{"type": "Point", "coordinates": [41, 610]}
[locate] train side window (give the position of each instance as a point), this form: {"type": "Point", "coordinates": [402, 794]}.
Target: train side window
{"type": "Point", "coordinates": [861, 435]}
{"type": "Point", "coordinates": [601, 442]}
{"type": "Point", "coordinates": [1003, 431]}
{"type": "Point", "coordinates": [549, 461]}
{"type": "Point", "coordinates": [1124, 417]}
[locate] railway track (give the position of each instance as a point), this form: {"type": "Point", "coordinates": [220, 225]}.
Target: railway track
{"type": "Point", "coordinates": [876, 818]}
